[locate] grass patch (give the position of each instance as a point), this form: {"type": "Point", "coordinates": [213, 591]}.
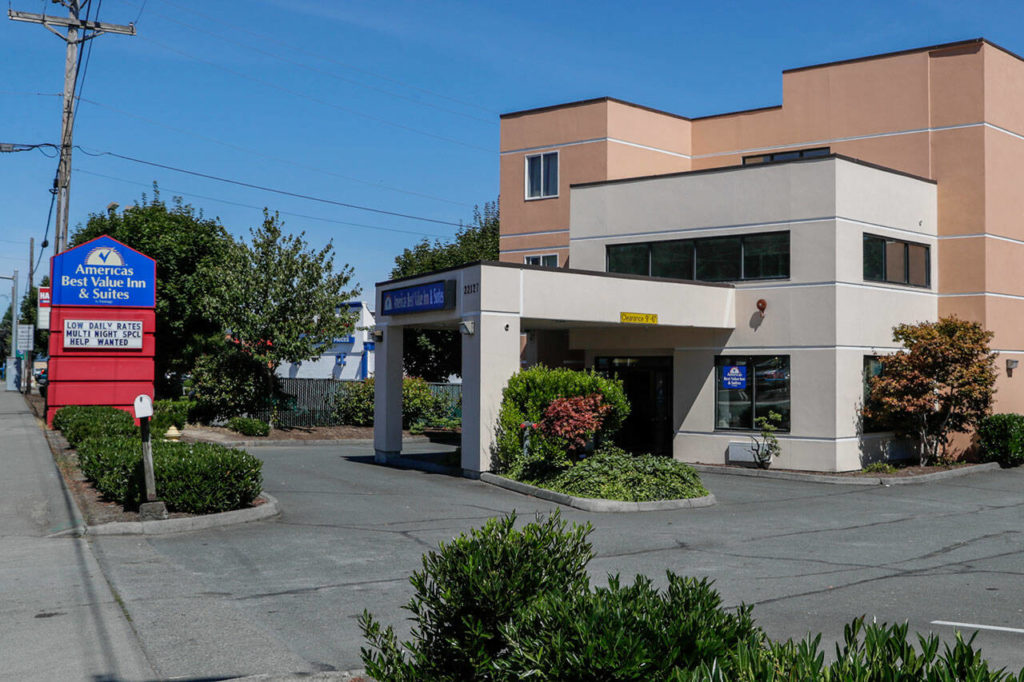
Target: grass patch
{"type": "Point", "coordinates": [613, 474]}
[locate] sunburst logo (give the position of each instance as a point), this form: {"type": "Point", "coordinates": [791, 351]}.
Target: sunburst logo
{"type": "Point", "coordinates": [104, 255]}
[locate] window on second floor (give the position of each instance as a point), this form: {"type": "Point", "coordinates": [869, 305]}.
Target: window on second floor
{"type": "Point", "coordinates": [547, 260]}
{"type": "Point", "coordinates": [788, 155]}
{"type": "Point", "coordinates": [711, 259]}
{"type": "Point", "coordinates": [542, 175]}
{"type": "Point", "coordinates": [896, 262]}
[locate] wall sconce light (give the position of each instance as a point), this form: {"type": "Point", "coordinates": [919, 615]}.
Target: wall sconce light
{"type": "Point", "coordinates": [466, 327]}
{"type": "Point", "coordinates": [1010, 366]}
{"type": "Point", "coordinates": [762, 305]}
{"type": "Point", "coordinates": [378, 335]}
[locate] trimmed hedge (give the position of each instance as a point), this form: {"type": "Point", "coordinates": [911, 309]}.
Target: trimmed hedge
{"type": "Point", "coordinates": [167, 413]}
{"type": "Point", "coordinates": [249, 427]}
{"type": "Point", "coordinates": [353, 403]}
{"type": "Point", "coordinates": [502, 604]}
{"type": "Point", "coordinates": [613, 474]}
{"type": "Point", "coordinates": [1001, 439]}
{"type": "Point", "coordinates": [525, 399]}
{"type": "Point", "coordinates": [197, 478]}
{"type": "Point", "coordinates": [81, 422]}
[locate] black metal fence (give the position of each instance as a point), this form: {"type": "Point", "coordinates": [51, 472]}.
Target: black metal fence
{"type": "Point", "coordinates": [310, 402]}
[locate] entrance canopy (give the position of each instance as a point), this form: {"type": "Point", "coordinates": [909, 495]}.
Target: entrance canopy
{"type": "Point", "coordinates": [491, 303]}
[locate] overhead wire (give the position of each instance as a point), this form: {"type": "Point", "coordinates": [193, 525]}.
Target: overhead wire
{"type": "Point", "coordinates": [264, 188]}
{"type": "Point", "coordinates": [302, 95]}
{"type": "Point", "coordinates": [177, 192]}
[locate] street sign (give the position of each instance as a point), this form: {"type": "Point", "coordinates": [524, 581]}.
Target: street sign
{"type": "Point", "coordinates": [26, 337]}
{"type": "Point", "coordinates": [43, 310]}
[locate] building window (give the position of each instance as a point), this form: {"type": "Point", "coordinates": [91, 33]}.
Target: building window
{"type": "Point", "coordinates": [547, 260]}
{"type": "Point", "coordinates": [896, 262]}
{"type": "Point", "coordinates": [748, 387]}
{"type": "Point", "coordinates": [542, 175]}
{"type": "Point", "coordinates": [790, 155]}
{"type": "Point", "coordinates": [712, 259]}
{"type": "Point", "coordinates": [872, 368]}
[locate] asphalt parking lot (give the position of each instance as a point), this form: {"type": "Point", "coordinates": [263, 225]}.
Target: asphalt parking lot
{"type": "Point", "coordinates": [284, 595]}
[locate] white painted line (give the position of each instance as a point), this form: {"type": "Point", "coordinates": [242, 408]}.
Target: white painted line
{"type": "Point", "coordinates": [975, 626]}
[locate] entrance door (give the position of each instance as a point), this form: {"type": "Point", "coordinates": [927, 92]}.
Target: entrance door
{"type": "Point", "coordinates": [648, 385]}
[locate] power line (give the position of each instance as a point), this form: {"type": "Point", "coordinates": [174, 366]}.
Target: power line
{"type": "Point", "coordinates": [263, 188]}
{"type": "Point", "coordinates": [296, 93]}
{"type": "Point", "coordinates": [259, 208]}
{"type": "Point", "coordinates": [344, 65]}
{"type": "Point", "coordinates": [231, 145]}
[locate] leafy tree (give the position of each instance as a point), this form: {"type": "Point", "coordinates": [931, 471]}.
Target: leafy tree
{"type": "Point", "coordinates": [278, 300]}
{"type": "Point", "coordinates": [5, 334]}
{"type": "Point", "coordinates": [435, 354]}
{"type": "Point", "coordinates": [941, 383]}
{"type": "Point", "coordinates": [186, 245]}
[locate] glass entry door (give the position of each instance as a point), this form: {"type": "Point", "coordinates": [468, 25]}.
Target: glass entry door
{"type": "Point", "coordinates": [648, 385]}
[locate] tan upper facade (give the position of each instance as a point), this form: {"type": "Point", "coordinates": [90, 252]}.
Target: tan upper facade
{"type": "Point", "coordinates": [952, 113]}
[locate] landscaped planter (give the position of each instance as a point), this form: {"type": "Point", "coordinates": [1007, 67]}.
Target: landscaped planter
{"type": "Point", "coordinates": [593, 504]}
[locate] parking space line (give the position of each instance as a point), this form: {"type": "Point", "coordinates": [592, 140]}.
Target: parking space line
{"type": "Point", "coordinates": [975, 626]}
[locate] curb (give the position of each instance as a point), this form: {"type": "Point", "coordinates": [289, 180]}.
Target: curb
{"type": "Point", "coordinates": [595, 505]}
{"type": "Point", "coordinates": [192, 438]}
{"type": "Point", "coordinates": [162, 527]}
{"type": "Point", "coordinates": [404, 462]}
{"type": "Point", "coordinates": [848, 480]}
{"type": "Point", "coordinates": [339, 676]}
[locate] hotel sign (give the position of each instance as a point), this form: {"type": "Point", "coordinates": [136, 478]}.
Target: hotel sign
{"type": "Point", "coordinates": [420, 298]}
{"type": "Point", "coordinates": [734, 377]}
{"type": "Point", "coordinates": [638, 318]}
{"type": "Point", "coordinates": [110, 334]}
{"type": "Point", "coordinates": [104, 272]}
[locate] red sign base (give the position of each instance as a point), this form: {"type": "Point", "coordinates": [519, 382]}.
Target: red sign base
{"type": "Point", "coordinates": [99, 376]}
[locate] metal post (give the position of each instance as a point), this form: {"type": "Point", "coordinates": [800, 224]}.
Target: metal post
{"type": "Point", "coordinates": [147, 460]}
{"type": "Point", "coordinates": [27, 373]}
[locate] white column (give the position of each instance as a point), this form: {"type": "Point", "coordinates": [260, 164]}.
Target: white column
{"type": "Point", "coordinates": [490, 355]}
{"type": "Point", "coordinates": [387, 399]}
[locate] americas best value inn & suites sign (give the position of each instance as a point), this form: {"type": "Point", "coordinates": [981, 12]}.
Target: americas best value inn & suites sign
{"type": "Point", "coordinates": [104, 272]}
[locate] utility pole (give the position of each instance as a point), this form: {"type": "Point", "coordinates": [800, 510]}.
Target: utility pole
{"type": "Point", "coordinates": [27, 373]}
{"type": "Point", "coordinates": [67, 124]}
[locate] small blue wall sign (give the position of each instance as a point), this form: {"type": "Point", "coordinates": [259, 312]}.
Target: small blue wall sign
{"type": "Point", "coordinates": [420, 298]}
{"type": "Point", "coordinates": [734, 376]}
{"type": "Point", "coordinates": [103, 272]}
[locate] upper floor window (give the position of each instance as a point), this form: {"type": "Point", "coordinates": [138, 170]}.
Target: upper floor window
{"type": "Point", "coordinates": [548, 260]}
{"type": "Point", "coordinates": [711, 259]}
{"type": "Point", "coordinates": [896, 262]}
{"type": "Point", "coordinates": [542, 175]}
{"type": "Point", "coordinates": [789, 155]}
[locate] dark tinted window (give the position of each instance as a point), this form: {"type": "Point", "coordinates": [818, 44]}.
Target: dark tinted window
{"type": "Point", "coordinates": [672, 259]}
{"type": "Point", "coordinates": [896, 262]}
{"type": "Point", "coordinates": [718, 259]}
{"type": "Point", "coordinates": [874, 258]}
{"type": "Point", "coordinates": [629, 259]}
{"type": "Point", "coordinates": [748, 387]}
{"type": "Point", "coordinates": [766, 255]}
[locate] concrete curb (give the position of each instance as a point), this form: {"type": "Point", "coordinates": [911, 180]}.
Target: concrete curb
{"type": "Point", "coordinates": [848, 480]}
{"type": "Point", "coordinates": [162, 527]}
{"type": "Point", "coordinates": [192, 438]}
{"type": "Point", "coordinates": [339, 676]}
{"type": "Point", "coordinates": [591, 504]}
{"type": "Point", "coordinates": [405, 462]}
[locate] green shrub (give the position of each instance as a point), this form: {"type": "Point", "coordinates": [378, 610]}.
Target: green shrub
{"type": "Point", "coordinates": [80, 422]}
{"type": "Point", "coordinates": [613, 474]}
{"type": "Point", "coordinates": [879, 468]}
{"type": "Point", "coordinates": [198, 478]}
{"type": "Point", "coordinates": [468, 590]}
{"type": "Point", "coordinates": [231, 383]}
{"type": "Point", "coordinates": [249, 427]}
{"type": "Point", "coordinates": [524, 401]}
{"type": "Point", "coordinates": [354, 400]}
{"type": "Point", "coordinates": [167, 413]}
{"type": "Point", "coordinates": [1001, 439]}
{"type": "Point", "coordinates": [625, 632]}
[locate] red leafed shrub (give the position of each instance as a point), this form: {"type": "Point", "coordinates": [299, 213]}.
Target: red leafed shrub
{"type": "Point", "coordinates": [574, 420]}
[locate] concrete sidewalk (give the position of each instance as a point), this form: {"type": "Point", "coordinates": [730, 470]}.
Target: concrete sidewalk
{"type": "Point", "coordinates": [59, 619]}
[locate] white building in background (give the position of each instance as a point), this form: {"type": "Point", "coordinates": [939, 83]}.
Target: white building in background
{"type": "Point", "coordinates": [348, 358]}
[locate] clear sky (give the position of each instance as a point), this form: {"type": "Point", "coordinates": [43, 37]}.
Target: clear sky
{"type": "Point", "coordinates": [392, 105]}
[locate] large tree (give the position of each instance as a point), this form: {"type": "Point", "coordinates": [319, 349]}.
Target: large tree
{"type": "Point", "coordinates": [278, 301]}
{"type": "Point", "coordinates": [941, 383]}
{"type": "Point", "coordinates": [186, 245]}
{"type": "Point", "coordinates": [435, 354]}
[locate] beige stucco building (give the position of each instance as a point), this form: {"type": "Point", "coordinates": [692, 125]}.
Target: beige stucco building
{"type": "Point", "coordinates": [882, 190]}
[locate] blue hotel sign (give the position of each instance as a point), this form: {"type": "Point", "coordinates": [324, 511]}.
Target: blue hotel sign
{"type": "Point", "coordinates": [420, 298]}
{"type": "Point", "coordinates": [734, 376]}
{"type": "Point", "coordinates": [104, 272]}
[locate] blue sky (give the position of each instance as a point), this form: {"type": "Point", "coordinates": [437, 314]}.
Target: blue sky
{"type": "Point", "coordinates": [392, 105]}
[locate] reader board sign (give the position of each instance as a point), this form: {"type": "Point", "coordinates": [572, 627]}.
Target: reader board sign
{"type": "Point", "coordinates": [108, 334]}
{"type": "Point", "coordinates": [734, 376]}
{"type": "Point", "coordinates": [104, 272]}
{"type": "Point", "coordinates": [420, 298]}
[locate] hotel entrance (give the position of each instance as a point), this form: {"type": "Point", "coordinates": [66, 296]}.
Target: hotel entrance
{"type": "Point", "coordinates": [647, 382]}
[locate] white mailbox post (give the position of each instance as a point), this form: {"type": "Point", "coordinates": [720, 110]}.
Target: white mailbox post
{"type": "Point", "coordinates": [152, 508]}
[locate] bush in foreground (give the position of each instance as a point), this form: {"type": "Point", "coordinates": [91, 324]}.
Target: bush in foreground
{"type": "Point", "coordinates": [197, 478]}
{"type": "Point", "coordinates": [249, 427]}
{"type": "Point", "coordinates": [502, 604]}
{"type": "Point", "coordinates": [80, 422]}
{"type": "Point", "coordinates": [613, 474]}
{"type": "Point", "coordinates": [1001, 439]}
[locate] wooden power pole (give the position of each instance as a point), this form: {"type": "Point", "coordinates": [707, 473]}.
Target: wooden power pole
{"type": "Point", "coordinates": [89, 29]}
